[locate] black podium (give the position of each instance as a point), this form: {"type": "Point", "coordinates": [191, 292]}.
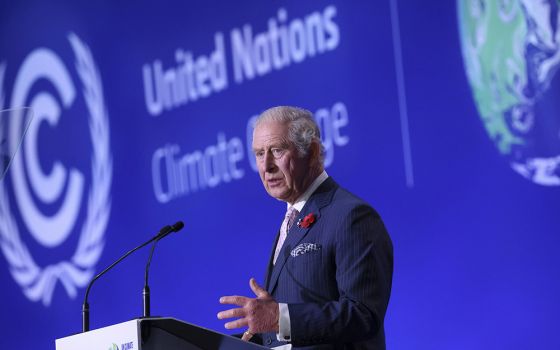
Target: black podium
{"type": "Point", "coordinates": [153, 334]}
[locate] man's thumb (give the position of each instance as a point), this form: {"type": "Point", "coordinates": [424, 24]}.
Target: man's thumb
{"type": "Point", "coordinates": [258, 290]}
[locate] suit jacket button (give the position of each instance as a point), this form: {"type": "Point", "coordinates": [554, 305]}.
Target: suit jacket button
{"type": "Point", "coordinates": [268, 341]}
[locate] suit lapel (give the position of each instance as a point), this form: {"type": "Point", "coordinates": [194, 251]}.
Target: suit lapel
{"type": "Point", "coordinates": [270, 261]}
{"type": "Point", "coordinates": [319, 199]}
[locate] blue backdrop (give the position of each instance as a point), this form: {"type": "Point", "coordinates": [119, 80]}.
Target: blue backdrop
{"type": "Point", "coordinates": [443, 115]}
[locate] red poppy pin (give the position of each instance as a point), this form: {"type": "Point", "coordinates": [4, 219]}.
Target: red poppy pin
{"type": "Point", "coordinates": [307, 221]}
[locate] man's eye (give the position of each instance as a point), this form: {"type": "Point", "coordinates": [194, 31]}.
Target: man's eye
{"type": "Point", "coordinates": [277, 152]}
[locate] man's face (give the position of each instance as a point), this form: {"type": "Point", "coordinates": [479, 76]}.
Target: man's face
{"type": "Point", "coordinates": [283, 173]}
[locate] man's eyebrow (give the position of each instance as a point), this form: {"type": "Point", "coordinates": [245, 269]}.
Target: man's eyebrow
{"type": "Point", "coordinates": [279, 144]}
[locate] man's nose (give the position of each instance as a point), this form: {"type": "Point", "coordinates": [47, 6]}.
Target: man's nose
{"type": "Point", "coordinates": [269, 162]}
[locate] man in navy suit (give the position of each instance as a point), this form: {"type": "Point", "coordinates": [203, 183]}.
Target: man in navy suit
{"type": "Point", "coordinates": [329, 276]}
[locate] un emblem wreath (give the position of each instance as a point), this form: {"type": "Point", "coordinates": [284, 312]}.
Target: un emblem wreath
{"type": "Point", "coordinates": [38, 282]}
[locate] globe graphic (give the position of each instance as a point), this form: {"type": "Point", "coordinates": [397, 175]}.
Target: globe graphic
{"type": "Point", "coordinates": [511, 53]}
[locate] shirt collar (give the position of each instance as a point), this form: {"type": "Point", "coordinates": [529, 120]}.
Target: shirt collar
{"type": "Point", "coordinates": [300, 202]}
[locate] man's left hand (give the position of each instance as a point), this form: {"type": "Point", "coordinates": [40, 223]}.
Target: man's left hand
{"type": "Point", "coordinates": [259, 314]}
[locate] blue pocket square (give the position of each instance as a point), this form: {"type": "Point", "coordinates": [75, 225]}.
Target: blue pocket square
{"type": "Point", "coordinates": [304, 248]}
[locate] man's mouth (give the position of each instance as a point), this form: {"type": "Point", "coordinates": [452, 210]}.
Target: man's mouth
{"type": "Point", "coordinates": [273, 182]}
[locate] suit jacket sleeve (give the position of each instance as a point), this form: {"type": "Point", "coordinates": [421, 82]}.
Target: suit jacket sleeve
{"type": "Point", "coordinates": [361, 253]}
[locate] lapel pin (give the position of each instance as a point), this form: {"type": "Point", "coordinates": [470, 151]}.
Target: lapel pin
{"type": "Point", "coordinates": [307, 221]}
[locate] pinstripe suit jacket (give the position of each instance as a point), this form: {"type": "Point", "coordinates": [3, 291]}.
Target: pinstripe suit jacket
{"type": "Point", "coordinates": [335, 275]}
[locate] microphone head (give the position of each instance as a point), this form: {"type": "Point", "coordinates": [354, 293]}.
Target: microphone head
{"type": "Point", "coordinates": [178, 226]}
{"type": "Point", "coordinates": [165, 230]}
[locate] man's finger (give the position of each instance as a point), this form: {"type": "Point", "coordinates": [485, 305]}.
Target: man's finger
{"type": "Point", "coordinates": [242, 322]}
{"type": "Point", "coordinates": [258, 290]}
{"type": "Point", "coordinates": [234, 300]}
{"type": "Point", "coordinates": [247, 336]}
{"type": "Point", "coordinates": [239, 312]}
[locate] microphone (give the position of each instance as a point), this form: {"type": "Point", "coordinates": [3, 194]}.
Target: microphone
{"type": "Point", "coordinates": [161, 234]}
{"type": "Point", "coordinates": [178, 226]}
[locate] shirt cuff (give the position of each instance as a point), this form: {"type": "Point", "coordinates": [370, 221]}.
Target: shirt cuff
{"type": "Point", "coordinates": [284, 332]}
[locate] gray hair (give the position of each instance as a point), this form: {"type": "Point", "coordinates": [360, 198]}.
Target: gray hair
{"type": "Point", "coordinates": [302, 128]}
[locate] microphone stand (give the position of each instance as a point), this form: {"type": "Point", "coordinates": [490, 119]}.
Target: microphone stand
{"type": "Point", "coordinates": [85, 306]}
{"type": "Point", "coordinates": [146, 290]}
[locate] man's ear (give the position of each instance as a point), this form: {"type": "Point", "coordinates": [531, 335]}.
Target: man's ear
{"type": "Point", "coordinates": [315, 154]}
